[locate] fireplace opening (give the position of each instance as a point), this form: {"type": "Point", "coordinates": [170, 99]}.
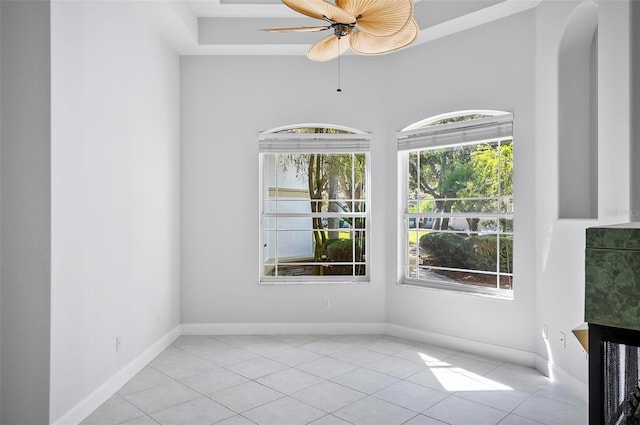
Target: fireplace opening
{"type": "Point", "coordinates": [621, 378]}
{"type": "Point", "coordinates": [614, 393]}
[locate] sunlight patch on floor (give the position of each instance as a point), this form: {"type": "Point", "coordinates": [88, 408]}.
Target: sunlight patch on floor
{"type": "Point", "coordinates": [458, 379]}
{"type": "Point", "coordinates": [453, 378]}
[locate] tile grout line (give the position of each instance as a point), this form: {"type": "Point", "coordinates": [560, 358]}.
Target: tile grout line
{"type": "Point", "coordinates": [259, 346]}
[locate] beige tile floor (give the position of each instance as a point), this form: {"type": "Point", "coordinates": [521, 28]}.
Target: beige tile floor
{"type": "Point", "coordinates": [333, 380]}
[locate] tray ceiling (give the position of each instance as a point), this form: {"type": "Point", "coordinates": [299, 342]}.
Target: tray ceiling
{"type": "Point", "coordinates": [232, 27]}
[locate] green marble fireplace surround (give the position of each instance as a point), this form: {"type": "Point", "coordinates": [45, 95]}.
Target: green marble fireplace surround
{"type": "Point", "coordinates": [612, 276]}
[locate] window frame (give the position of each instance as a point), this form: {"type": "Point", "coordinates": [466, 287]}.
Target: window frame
{"type": "Point", "coordinates": [422, 135]}
{"type": "Point", "coordinates": [276, 141]}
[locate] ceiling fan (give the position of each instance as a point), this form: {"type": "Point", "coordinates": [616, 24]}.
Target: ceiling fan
{"type": "Point", "coordinates": [368, 27]}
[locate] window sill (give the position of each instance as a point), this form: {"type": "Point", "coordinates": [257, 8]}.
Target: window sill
{"type": "Point", "coordinates": [334, 281]}
{"type": "Point", "coordinates": [456, 288]}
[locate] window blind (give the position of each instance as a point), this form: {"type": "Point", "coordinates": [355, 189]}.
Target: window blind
{"type": "Point", "coordinates": [457, 133]}
{"type": "Point", "coordinates": [313, 142]}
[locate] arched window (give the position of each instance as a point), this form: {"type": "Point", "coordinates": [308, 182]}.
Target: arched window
{"type": "Point", "coordinates": [314, 204]}
{"type": "Point", "coordinates": [458, 202]}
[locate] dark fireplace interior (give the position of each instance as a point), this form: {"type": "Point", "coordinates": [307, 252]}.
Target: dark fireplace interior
{"type": "Point", "coordinates": [614, 364]}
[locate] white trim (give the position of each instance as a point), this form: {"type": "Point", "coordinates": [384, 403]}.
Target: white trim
{"type": "Point", "coordinates": [456, 288]}
{"type": "Point", "coordinates": [84, 408]}
{"type": "Point", "coordinates": [313, 136]}
{"type": "Point", "coordinates": [475, 19]}
{"type": "Point", "coordinates": [484, 215]}
{"type": "Point", "coordinates": [511, 355]}
{"type": "Point", "coordinates": [333, 215]}
{"type": "Point", "coordinates": [272, 141]}
{"type": "Point", "coordinates": [429, 121]}
{"type": "Point", "coordinates": [314, 125]}
{"type": "Point", "coordinates": [337, 328]}
{"type": "Point", "coordinates": [315, 280]}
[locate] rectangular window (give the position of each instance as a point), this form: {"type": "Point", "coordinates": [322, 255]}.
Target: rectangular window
{"type": "Point", "coordinates": [458, 220]}
{"type": "Point", "coordinates": [314, 207]}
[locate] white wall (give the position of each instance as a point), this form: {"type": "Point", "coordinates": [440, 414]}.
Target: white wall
{"type": "Point", "coordinates": [25, 213]}
{"type": "Point", "coordinates": [577, 138]}
{"type": "Point", "coordinates": [226, 101]}
{"type": "Point", "coordinates": [0, 210]}
{"type": "Point", "coordinates": [635, 84]}
{"type": "Point", "coordinates": [615, 118]}
{"type": "Point", "coordinates": [560, 254]}
{"type": "Point", "coordinates": [115, 214]}
{"type": "Point", "coordinates": [559, 257]}
{"type": "Point", "coordinates": [487, 67]}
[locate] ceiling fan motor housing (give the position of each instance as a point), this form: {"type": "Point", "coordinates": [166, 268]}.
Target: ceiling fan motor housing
{"type": "Point", "coordinates": [342, 30]}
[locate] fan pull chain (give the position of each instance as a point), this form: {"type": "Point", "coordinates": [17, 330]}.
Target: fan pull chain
{"type": "Point", "coordinates": [339, 40]}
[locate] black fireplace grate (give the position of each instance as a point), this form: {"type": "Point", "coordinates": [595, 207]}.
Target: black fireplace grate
{"type": "Point", "coordinates": [621, 364]}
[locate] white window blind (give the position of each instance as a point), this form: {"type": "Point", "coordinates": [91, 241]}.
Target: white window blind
{"type": "Point", "coordinates": [457, 133]}
{"type": "Point", "coordinates": [313, 142]}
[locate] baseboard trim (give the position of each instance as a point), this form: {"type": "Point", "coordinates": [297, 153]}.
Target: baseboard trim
{"type": "Point", "coordinates": [80, 411]}
{"type": "Point", "coordinates": [338, 328]}
{"type": "Point", "coordinates": [507, 354]}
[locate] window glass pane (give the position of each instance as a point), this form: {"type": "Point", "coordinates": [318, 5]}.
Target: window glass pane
{"type": "Point", "coordinates": [413, 174]}
{"type": "Point", "coordinates": [287, 245]}
{"type": "Point", "coordinates": [463, 178]}
{"type": "Point", "coordinates": [506, 177]}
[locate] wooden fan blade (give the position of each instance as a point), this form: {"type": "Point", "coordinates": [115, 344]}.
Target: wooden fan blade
{"type": "Point", "coordinates": [329, 48]}
{"type": "Point", "coordinates": [366, 44]}
{"type": "Point", "coordinates": [320, 9]}
{"type": "Point", "coordinates": [379, 17]}
{"type": "Point", "coordinates": [298, 29]}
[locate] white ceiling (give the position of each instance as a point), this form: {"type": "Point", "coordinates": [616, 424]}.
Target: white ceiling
{"type": "Point", "coordinates": [240, 8]}
{"type": "Point", "coordinates": [232, 27]}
